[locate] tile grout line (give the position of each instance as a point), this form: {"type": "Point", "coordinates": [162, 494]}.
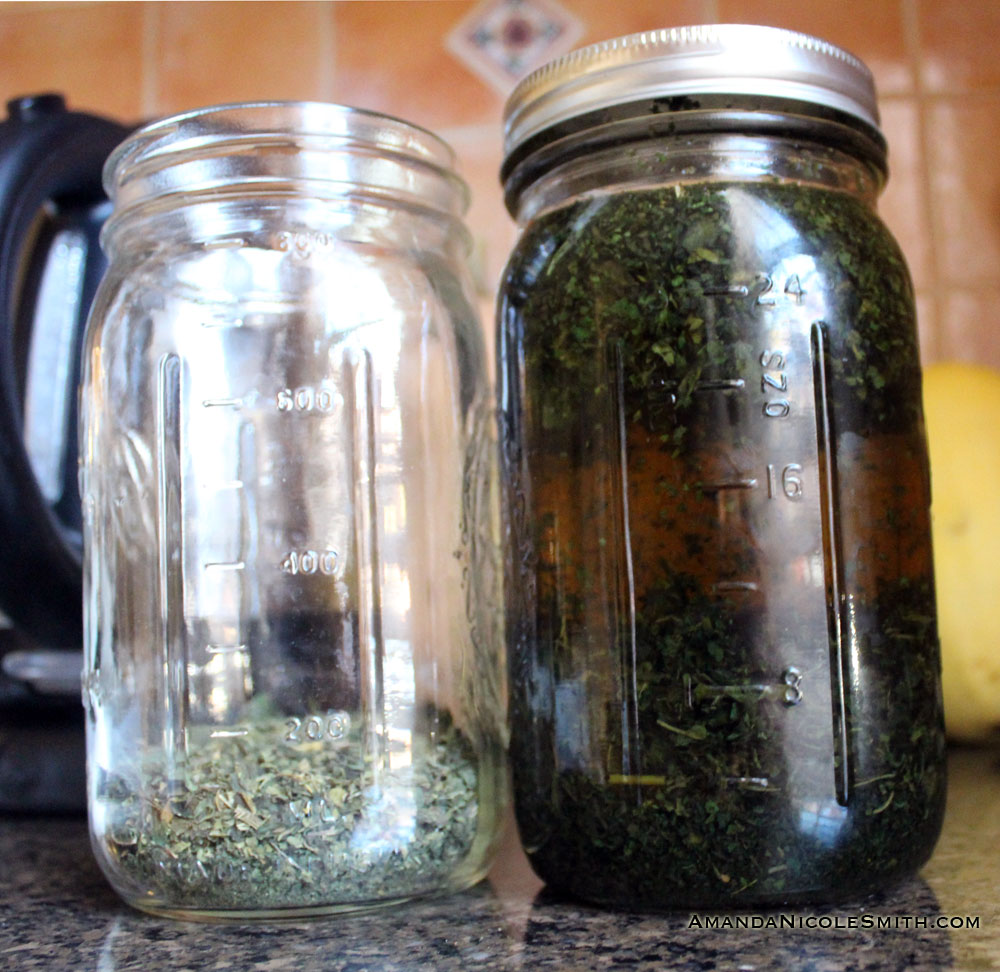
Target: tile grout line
{"type": "Point", "coordinates": [474, 132]}
{"type": "Point", "coordinates": [911, 37]}
{"type": "Point", "coordinates": [327, 42]}
{"type": "Point", "coordinates": [985, 93]}
{"type": "Point", "coordinates": [150, 63]}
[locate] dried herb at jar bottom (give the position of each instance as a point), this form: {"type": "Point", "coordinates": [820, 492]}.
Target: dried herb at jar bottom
{"type": "Point", "coordinates": [733, 800]}
{"type": "Point", "coordinates": [259, 822]}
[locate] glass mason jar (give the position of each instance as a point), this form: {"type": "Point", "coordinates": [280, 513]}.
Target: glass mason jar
{"type": "Point", "coordinates": [293, 645]}
{"type": "Point", "coordinates": [723, 656]}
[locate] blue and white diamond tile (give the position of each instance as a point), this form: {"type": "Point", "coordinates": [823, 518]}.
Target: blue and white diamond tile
{"type": "Point", "coordinates": [503, 40]}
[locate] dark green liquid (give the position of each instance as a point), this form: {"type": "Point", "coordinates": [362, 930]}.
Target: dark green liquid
{"type": "Point", "coordinates": [720, 604]}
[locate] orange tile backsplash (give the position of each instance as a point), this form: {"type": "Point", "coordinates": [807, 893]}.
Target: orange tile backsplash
{"type": "Point", "coordinates": [603, 20]}
{"type": "Point", "coordinates": [904, 204]}
{"type": "Point", "coordinates": [209, 53]}
{"type": "Point", "coordinates": [958, 45]}
{"type": "Point", "coordinates": [934, 61]}
{"type": "Point", "coordinates": [91, 52]}
{"type": "Point", "coordinates": [874, 30]}
{"type": "Point", "coordinates": [392, 55]}
{"type": "Point", "coordinates": [964, 184]}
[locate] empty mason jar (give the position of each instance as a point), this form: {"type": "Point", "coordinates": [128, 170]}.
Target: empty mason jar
{"type": "Point", "coordinates": [293, 683]}
{"type": "Point", "coordinates": [721, 620]}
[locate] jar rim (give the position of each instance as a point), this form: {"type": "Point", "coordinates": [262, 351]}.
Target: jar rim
{"type": "Point", "coordinates": [285, 147]}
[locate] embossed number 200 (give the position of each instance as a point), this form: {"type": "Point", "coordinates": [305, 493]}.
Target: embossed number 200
{"type": "Point", "coordinates": [317, 727]}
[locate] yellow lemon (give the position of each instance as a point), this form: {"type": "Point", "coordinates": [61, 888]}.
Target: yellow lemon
{"type": "Point", "coordinates": [962, 408]}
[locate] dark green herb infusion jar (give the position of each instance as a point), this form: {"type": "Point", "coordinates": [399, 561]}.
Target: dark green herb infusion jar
{"type": "Point", "coordinates": [720, 602]}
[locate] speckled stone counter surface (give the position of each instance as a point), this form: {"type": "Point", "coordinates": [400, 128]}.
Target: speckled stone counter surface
{"type": "Point", "coordinates": [57, 912]}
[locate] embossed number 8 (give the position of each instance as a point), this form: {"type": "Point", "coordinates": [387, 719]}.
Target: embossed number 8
{"type": "Point", "coordinates": [792, 678]}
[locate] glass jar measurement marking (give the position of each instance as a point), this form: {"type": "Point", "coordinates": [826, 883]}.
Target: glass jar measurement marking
{"type": "Point", "coordinates": [309, 562]}
{"type": "Point", "coordinates": [778, 373]}
{"type": "Point", "coordinates": [225, 649]}
{"type": "Point", "coordinates": [303, 243]}
{"type": "Point", "coordinates": [331, 725]}
{"type": "Point", "coordinates": [785, 482]}
{"type": "Point", "coordinates": [787, 690]}
{"type": "Point", "coordinates": [774, 378]}
{"type": "Point", "coordinates": [762, 290]}
{"type": "Point", "coordinates": [236, 732]}
{"type": "Point", "coordinates": [309, 398]}
{"type": "Point", "coordinates": [230, 402]}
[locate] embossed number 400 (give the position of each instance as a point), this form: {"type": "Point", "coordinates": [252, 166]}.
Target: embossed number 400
{"type": "Point", "coordinates": [310, 562]}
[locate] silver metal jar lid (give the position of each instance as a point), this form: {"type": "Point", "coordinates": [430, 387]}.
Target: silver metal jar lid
{"type": "Point", "coordinates": [716, 59]}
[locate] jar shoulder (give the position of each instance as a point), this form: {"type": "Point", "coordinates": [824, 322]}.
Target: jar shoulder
{"type": "Point", "coordinates": [694, 279]}
{"type": "Point", "coordinates": [335, 286]}
{"type": "Point", "coordinates": [709, 223]}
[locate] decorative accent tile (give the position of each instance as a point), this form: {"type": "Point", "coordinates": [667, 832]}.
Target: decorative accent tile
{"type": "Point", "coordinates": [391, 56]}
{"type": "Point", "coordinates": [503, 40]}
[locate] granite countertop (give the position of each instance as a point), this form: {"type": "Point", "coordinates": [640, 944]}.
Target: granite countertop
{"type": "Point", "coordinates": [57, 912]}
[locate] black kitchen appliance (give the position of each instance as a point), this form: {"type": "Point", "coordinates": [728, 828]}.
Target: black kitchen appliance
{"type": "Point", "coordinates": [52, 206]}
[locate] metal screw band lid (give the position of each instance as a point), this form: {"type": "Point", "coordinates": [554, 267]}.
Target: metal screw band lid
{"type": "Point", "coordinates": [716, 59]}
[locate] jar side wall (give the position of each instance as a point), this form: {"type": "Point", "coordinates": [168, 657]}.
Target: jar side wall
{"type": "Point", "coordinates": [719, 587]}
{"type": "Point", "coordinates": [288, 476]}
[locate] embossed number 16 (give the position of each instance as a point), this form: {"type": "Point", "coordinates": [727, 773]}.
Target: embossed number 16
{"type": "Point", "coordinates": [787, 482]}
